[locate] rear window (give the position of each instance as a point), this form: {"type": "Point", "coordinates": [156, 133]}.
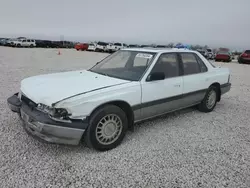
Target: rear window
{"type": "Point", "coordinates": [209, 50]}
{"type": "Point", "coordinates": [223, 53]}
{"type": "Point", "coordinates": [102, 43]}
{"type": "Point", "coordinates": [247, 51]}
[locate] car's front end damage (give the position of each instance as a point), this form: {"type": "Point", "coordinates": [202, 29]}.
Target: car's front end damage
{"type": "Point", "coordinates": [47, 123]}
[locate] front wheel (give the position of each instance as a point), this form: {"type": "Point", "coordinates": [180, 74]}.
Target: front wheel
{"type": "Point", "coordinates": [107, 128]}
{"type": "Point", "coordinates": [210, 100]}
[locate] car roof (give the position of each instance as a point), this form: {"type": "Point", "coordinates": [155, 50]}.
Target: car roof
{"type": "Point", "coordinates": [158, 50]}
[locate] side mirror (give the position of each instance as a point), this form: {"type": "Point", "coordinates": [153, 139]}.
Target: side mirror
{"type": "Point", "coordinates": [156, 76]}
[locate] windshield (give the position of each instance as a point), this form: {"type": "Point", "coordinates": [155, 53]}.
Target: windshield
{"type": "Point", "coordinates": [209, 50]}
{"type": "Point", "coordinates": [125, 64]}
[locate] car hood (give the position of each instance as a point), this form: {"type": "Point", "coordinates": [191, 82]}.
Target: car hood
{"type": "Point", "coordinates": [51, 88]}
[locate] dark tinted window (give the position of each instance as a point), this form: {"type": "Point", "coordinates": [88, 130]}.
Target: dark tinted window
{"type": "Point", "coordinates": [247, 51]}
{"type": "Point", "coordinates": [168, 64]}
{"type": "Point", "coordinates": [28, 40]}
{"type": "Point", "coordinates": [190, 63]}
{"type": "Point", "coordinates": [118, 44]}
{"type": "Point", "coordinates": [102, 43]}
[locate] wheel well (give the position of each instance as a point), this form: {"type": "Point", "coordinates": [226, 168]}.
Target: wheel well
{"type": "Point", "coordinates": [217, 85]}
{"type": "Point", "coordinates": [125, 107]}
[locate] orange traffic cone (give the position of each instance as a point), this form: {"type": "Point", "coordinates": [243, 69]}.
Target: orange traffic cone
{"type": "Point", "coordinates": [59, 52]}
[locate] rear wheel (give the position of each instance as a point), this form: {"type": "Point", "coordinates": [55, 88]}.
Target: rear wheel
{"type": "Point", "coordinates": [107, 128]}
{"type": "Point", "coordinates": [210, 100]}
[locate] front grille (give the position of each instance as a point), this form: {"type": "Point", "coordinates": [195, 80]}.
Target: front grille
{"type": "Point", "coordinates": [28, 102]}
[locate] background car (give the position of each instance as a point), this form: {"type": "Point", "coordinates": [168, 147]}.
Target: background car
{"type": "Point", "coordinates": [223, 56]}
{"type": "Point", "coordinates": [81, 46]}
{"type": "Point", "coordinates": [101, 46]}
{"type": "Point", "coordinates": [244, 57]}
{"type": "Point", "coordinates": [203, 52]}
{"type": "Point", "coordinates": [109, 48]}
{"type": "Point", "coordinates": [134, 46]}
{"type": "Point", "coordinates": [3, 42]}
{"type": "Point", "coordinates": [44, 44]}
{"type": "Point", "coordinates": [117, 46]}
{"type": "Point", "coordinates": [160, 46]}
{"type": "Point", "coordinates": [91, 47]}
{"type": "Point", "coordinates": [210, 54]}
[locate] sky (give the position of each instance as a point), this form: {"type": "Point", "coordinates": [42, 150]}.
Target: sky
{"type": "Point", "coordinates": [216, 23]}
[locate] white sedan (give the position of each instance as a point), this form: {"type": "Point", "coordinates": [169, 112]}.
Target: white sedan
{"type": "Point", "coordinates": [102, 103]}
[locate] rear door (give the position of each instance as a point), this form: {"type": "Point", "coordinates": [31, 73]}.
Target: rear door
{"type": "Point", "coordinates": [162, 96]}
{"type": "Point", "coordinates": [196, 78]}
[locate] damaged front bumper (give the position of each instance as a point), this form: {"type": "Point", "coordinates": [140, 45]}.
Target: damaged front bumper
{"type": "Point", "coordinates": [40, 125]}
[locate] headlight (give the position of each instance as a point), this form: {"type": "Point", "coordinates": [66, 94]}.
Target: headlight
{"type": "Point", "coordinates": [54, 112]}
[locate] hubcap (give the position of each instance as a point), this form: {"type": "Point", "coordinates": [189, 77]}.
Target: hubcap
{"type": "Point", "coordinates": [211, 100]}
{"type": "Point", "coordinates": [109, 129]}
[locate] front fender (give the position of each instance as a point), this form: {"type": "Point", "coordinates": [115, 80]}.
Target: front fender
{"type": "Point", "coordinates": [83, 105]}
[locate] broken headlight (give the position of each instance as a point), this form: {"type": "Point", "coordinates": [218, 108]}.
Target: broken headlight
{"type": "Point", "coordinates": [54, 112]}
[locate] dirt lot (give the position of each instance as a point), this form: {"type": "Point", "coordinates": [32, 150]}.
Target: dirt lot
{"type": "Point", "coordinates": [183, 149]}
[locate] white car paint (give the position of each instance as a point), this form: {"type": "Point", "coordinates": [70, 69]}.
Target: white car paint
{"type": "Point", "coordinates": [51, 88]}
{"type": "Point", "coordinates": [81, 93]}
{"type": "Point", "coordinates": [117, 46]}
{"type": "Point", "coordinates": [24, 42]}
{"type": "Point", "coordinates": [92, 47]}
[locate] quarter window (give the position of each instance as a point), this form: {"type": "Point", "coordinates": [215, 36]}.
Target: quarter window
{"type": "Point", "coordinates": [190, 64]}
{"type": "Point", "coordinates": [167, 63]}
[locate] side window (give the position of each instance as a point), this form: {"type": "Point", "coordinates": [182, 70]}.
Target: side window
{"type": "Point", "coordinates": [190, 64]}
{"type": "Point", "coordinates": [203, 67]}
{"type": "Point", "coordinates": [167, 63]}
{"type": "Point", "coordinates": [28, 40]}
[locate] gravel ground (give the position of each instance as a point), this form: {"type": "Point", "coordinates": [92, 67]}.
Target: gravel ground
{"type": "Point", "coordinates": [183, 149]}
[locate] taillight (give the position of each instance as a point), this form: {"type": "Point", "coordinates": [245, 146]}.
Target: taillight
{"type": "Point", "coordinates": [244, 55]}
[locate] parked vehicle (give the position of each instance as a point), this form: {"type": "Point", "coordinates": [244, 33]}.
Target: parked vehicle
{"type": "Point", "coordinates": [134, 46]}
{"type": "Point", "coordinates": [210, 54]}
{"type": "Point", "coordinates": [117, 46]}
{"type": "Point", "coordinates": [223, 56]}
{"type": "Point", "coordinates": [160, 46]}
{"type": "Point", "coordinates": [102, 103]}
{"type": "Point", "coordinates": [101, 46]}
{"type": "Point", "coordinates": [203, 52]}
{"type": "Point", "coordinates": [81, 46]}
{"type": "Point", "coordinates": [244, 58]}
{"type": "Point", "coordinates": [109, 48]}
{"type": "Point", "coordinates": [44, 44]}
{"type": "Point", "coordinates": [91, 47]}
{"type": "Point", "coordinates": [3, 42]}
{"type": "Point", "coordinates": [24, 43]}
{"type": "Point", "coordinates": [146, 46]}
{"type": "Point", "coordinates": [10, 42]}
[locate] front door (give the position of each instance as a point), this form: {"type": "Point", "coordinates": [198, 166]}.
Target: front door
{"type": "Point", "coordinates": [162, 96]}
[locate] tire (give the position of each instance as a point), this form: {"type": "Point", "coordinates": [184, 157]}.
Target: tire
{"type": "Point", "coordinates": [31, 46]}
{"type": "Point", "coordinates": [97, 121]}
{"type": "Point", "coordinates": [210, 100]}
{"type": "Point", "coordinates": [19, 45]}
